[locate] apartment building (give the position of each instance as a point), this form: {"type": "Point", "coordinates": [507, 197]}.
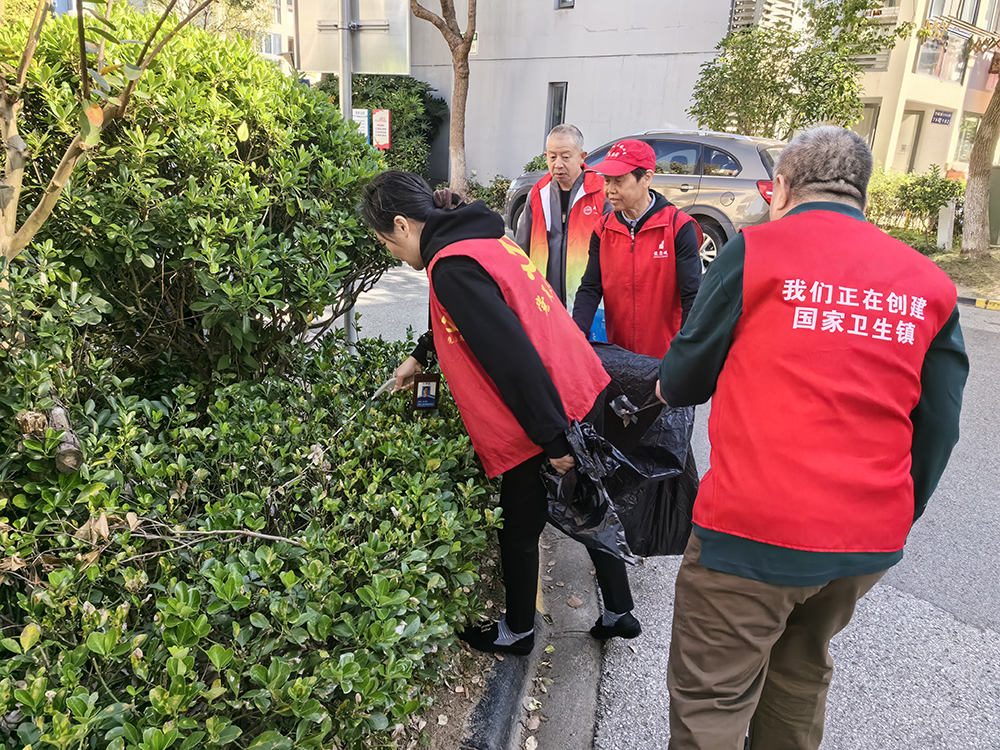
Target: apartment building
{"type": "Point", "coordinates": [612, 68]}
{"type": "Point", "coordinates": [279, 43]}
{"type": "Point", "coordinates": [924, 99]}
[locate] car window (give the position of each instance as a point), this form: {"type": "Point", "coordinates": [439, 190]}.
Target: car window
{"type": "Point", "coordinates": [719, 164]}
{"type": "Point", "coordinates": [596, 156]}
{"type": "Point", "coordinates": [675, 157]}
{"type": "Point", "coordinates": [770, 156]}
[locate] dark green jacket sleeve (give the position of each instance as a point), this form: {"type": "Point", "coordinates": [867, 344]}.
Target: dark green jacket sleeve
{"type": "Point", "coordinates": [935, 418]}
{"type": "Point", "coordinates": [690, 371]}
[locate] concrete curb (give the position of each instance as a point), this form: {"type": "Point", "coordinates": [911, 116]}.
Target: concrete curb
{"type": "Point", "coordinates": [495, 721]}
{"type": "Point", "coordinates": [985, 304]}
{"type": "Point", "coordinates": [568, 675]}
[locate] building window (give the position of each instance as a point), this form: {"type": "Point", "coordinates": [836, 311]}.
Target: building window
{"type": "Point", "coordinates": [291, 46]}
{"type": "Point", "coordinates": [963, 10]}
{"type": "Point", "coordinates": [945, 57]}
{"type": "Point", "coordinates": [557, 105]}
{"type": "Point", "coordinates": [565, 4]}
{"type": "Point", "coordinates": [272, 44]}
{"type": "Point", "coordinates": [866, 128]}
{"type": "Point", "coordinates": [276, 11]}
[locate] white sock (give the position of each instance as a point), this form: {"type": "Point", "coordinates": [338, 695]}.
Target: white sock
{"type": "Point", "coordinates": [508, 638]}
{"type": "Point", "coordinates": [609, 619]}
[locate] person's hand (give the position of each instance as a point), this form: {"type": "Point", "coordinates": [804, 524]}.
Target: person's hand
{"type": "Point", "coordinates": [405, 372]}
{"type": "Point", "coordinates": [563, 464]}
{"type": "Point", "coordinates": [658, 394]}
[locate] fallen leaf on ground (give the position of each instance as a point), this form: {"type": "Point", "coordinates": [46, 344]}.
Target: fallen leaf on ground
{"type": "Point", "coordinates": [530, 744]}
{"type": "Point", "coordinates": [549, 649]}
{"type": "Point", "coordinates": [560, 583]}
{"type": "Point", "coordinates": [546, 578]}
{"type": "Point", "coordinates": [442, 720]}
{"type": "Point", "coordinates": [533, 723]}
{"type": "Point", "coordinates": [459, 689]}
{"type": "Point", "coordinates": [574, 601]}
{"type": "Point", "coordinates": [634, 649]}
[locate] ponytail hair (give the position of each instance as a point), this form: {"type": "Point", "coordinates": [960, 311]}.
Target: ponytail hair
{"type": "Point", "coordinates": [396, 193]}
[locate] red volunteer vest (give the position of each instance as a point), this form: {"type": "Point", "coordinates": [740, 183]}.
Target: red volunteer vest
{"type": "Point", "coordinates": [583, 215]}
{"type": "Point", "coordinates": [575, 369]}
{"type": "Point", "coordinates": [642, 302]}
{"type": "Point", "coordinates": [810, 423]}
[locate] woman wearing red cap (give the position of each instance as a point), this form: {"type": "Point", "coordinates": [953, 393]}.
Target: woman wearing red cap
{"type": "Point", "coordinates": [644, 259]}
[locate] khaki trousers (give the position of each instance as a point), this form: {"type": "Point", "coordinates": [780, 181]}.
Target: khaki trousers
{"type": "Point", "coordinates": [744, 653]}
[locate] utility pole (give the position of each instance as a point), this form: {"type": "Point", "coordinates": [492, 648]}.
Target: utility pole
{"type": "Point", "coordinates": [346, 71]}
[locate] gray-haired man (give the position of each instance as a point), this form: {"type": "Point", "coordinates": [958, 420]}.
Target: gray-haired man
{"type": "Point", "coordinates": [835, 363]}
{"type": "Point", "coordinates": [560, 214]}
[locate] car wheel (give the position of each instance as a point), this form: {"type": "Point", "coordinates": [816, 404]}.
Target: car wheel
{"type": "Point", "coordinates": [516, 217]}
{"type": "Point", "coordinates": [712, 244]}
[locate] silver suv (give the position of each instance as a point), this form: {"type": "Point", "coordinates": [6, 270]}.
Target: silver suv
{"type": "Point", "coordinates": [724, 181]}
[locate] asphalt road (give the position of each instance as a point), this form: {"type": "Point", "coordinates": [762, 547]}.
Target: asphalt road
{"type": "Point", "coordinates": [919, 665]}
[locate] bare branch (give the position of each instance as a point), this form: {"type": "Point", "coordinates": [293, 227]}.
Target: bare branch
{"type": "Point", "coordinates": [448, 14]}
{"type": "Point", "coordinates": [100, 51]}
{"type": "Point", "coordinates": [127, 94]}
{"type": "Point", "coordinates": [156, 30]}
{"type": "Point", "coordinates": [470, 29]}
{"type": "Point", "coordinates": [81, 31]}
{"type": "Point", "coordinates": [421, 12]}
{"type": "Point", "coordinates": [41, 12]}
{"type": "Point", "coordinates": [49, 199]}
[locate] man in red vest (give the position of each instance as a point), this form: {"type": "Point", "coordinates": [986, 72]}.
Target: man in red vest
{"type": "Point", "coordinates": [835, 363]}
{"type": "Point", "coordinates": [519, 370]}
{"type": "Point", "coordinates": [643, 259]}
{"type": "Point", "coordinates": [560, 214]}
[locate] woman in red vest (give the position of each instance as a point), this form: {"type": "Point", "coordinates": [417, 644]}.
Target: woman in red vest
{"type": "Point", "coordinates": [644, 259]}
{"type": "Point", "coordinates": [519, 370]}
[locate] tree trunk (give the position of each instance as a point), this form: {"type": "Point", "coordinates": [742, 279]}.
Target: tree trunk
{"type": "Point", "coordinates": [458, 173]}
{"type": "Point", "coordinates": [976, 225]}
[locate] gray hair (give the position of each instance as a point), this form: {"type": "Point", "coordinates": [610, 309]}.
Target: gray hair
{"type": "Point", "coordinates": [827, 162]}
{"type": "Point", "coordinates": [572, 132]}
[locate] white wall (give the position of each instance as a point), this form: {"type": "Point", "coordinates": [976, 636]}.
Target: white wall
{"type": "Point", "coordinates": [630, 65]}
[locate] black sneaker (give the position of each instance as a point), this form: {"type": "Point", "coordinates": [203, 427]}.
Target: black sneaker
{"type": "Point", "coordinates": [626, 627]}
{"type": "Point", "coordinates": [483, 638]}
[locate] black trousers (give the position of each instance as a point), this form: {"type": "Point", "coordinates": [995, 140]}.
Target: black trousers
{"type": "Point", "coordinates": [525, 513]}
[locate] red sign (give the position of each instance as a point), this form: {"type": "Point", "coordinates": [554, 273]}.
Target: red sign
{"type": "Point", "coordinates": [381, 132]}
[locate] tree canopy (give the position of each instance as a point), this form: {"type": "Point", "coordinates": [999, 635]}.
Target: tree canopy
{"type": "Point", "coordinates": [771, 80]}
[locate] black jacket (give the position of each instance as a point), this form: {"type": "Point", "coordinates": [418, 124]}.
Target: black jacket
{"type": "Point", "coordinates": [490, 328]}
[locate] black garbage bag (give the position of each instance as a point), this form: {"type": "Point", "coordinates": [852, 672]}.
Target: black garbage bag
{"type": "Point", "coordinates": [656, 506]}
{"type": "Point", "coordinates": [657, 515]}
{"type": "Point", "coordinates": [580, 503]}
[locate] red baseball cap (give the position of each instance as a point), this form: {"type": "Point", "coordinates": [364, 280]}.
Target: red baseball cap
{"type": "Point", "coordinates": [626, 156]}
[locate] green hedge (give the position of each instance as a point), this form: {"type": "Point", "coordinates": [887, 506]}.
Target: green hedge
{"type": "Point", "coordinates": [238, 564]}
